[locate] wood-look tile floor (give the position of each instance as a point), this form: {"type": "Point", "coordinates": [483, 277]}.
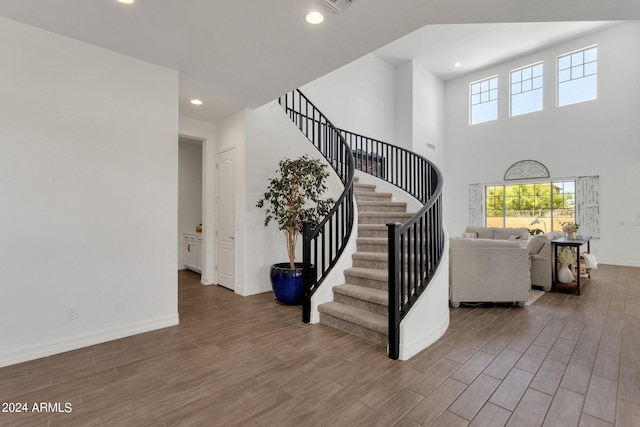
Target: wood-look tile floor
{"type": "Point", "coordinates": [564, 361]}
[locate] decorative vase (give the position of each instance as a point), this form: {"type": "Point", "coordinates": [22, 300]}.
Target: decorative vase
{"type": "Point", "coordinates": [287, 283]}
{"type": "Point", "coordinates": [564, 274]}
{"type": "Point", "coordinates": [571, 235]}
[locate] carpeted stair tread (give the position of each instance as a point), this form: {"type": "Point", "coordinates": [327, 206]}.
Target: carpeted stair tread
{"type": "Point", "coordinates": [376, 260]}
{"type": "Point", "coordinates": [375, 296]}
{"type": "Point", "coordinates": [356, 316]}
{"type": "Point", "coordinates": [373, 256]}
{"type": "Point", "coordinates": [383, 217]}
{"type": "Point", "coordinates": [373, 230]}
{"type": "Point", "coordinates": [363, 187]}
{"type": "Point", "coordinates": [381, 206]}
{"type": "Point", "coordinates": [371, 196]}
{"type": "Point", "coordinates": [367, 273]}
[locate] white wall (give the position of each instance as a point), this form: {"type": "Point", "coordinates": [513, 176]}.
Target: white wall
{"type": "Point", "coordinates": [428, 115]}
{"type": "Point", "coordinates": [89, 194]}
{"type": "Point", "coordinates": [591, 138]}
{"type": "Point", "coordinates": [189, 189]}
{"type": "Point", "coordinates": [358, 97]}
{"type": "Point", "coordinates": [270, 137]}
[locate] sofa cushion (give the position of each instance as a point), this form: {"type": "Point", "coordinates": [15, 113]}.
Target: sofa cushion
{"type": "Point", "coordinates": [482, 243]}
{"type": "Point", "coordinates": [506, 233]}
{"type": "Point", "coordinates": [482, 232]}
{"type": "Point", "coordinates": [536, 243]}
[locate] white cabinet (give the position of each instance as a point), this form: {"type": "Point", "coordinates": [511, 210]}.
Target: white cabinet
{"type": "Point", "coordinates": [192, 251]}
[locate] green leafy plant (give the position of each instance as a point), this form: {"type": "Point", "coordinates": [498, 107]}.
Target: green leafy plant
{"type": "Point", "coordinates": [295, 196]}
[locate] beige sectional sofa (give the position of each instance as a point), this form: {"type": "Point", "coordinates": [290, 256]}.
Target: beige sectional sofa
{"type": "Point", "coordinates": [541, 252]}
{"type": "Point", "coordinates": [491, 267]}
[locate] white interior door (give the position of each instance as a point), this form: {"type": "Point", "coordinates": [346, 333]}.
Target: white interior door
{"type": "Point", "coordinates": [226, 212]}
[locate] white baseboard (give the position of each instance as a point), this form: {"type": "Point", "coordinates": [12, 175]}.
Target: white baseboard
{"type": "Point", "coordinates": [44, 349]}
{"type": "Point", "coordinates": [621, 263]}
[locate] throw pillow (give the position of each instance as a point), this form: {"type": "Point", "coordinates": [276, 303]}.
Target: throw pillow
{"type": "Point", "coordinates": [470, 235]}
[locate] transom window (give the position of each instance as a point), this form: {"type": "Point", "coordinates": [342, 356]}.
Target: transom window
{"type": "Point", "coordinates": [540, 206]}
{"type": "Point", "coordinates": [484, 100]}
{"type": "Point", "coordinates": [578, 76]}
{"type": "Point", "coordinates": [526, 89]}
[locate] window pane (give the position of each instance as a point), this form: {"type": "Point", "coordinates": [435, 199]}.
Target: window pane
{"type": "Point", "coordinates": [591, 54]}
{"type": "Point", "coordinates": [537, 83]}
{"type": "Point", "coordinates": [526, 102]}
{"type": "Point", "coordinates": [516, 76]}
{"type": "Point", "coordinates": [577, 72]}
{"type": "Point", "coordinates": [537, 70]}
{"type": "Point", "coordinates": [574, 91]}
{"type": "Point", "coordinates": [540, 207]}
{"type": "Point", "coordinates": [526, 97]}
{"type": "Point", "coordinates": [484, 112]}
{"type": "Point", "coordinates": [484, 101]}
{"type": "Point", "coordinates": [590, 68]}
{"type": "Point", "coordinates": [579, 83]}
{"type": "Point", "coordinates": [577, 59]}
{"type": "Point", "coordinates": [564, 63]}
{"type": "Point", "coordinates": [516, 88]}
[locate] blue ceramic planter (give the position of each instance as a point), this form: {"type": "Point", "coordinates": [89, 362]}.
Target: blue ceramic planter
{"type": "Point", "coordinates": [287, 283]}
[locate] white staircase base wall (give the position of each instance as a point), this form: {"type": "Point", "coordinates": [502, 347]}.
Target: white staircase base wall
{"type": "Point", "coordinates": [428, 319]}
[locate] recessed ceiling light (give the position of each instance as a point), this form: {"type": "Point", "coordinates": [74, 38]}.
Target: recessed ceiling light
{"type": "Point", "coordinates": [457, 64]}
{"type": "Point", "coordinates": [125, 1]}
{"type": "Point", "coordinates": [314, 17]}
{"type": "Point", "coordinates": [196, 102]}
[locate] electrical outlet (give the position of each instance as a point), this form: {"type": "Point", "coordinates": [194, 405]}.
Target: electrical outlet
{"type": "Point", "coordinates": [73, 312]}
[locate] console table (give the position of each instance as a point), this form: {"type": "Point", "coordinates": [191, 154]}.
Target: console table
{"type": "Point", "coordinates": [571, 243]}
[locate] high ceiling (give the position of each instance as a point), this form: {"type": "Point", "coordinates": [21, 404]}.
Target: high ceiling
{"type": "Point", "coordinates": [244, 53]}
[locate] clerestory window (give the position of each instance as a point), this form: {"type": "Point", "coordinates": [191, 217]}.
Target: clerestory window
{"type": "Point", "coordinates": [484, 100]}
{"type": "Point", "coordinates": [578, 76]}
{"type": "Point", "coordinates": [526, 89]}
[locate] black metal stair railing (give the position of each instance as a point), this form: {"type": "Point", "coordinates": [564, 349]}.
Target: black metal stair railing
{"type": "Point", "coordinates": [415, 248]}
{"type": "Point", "coordinates": [323, 243]}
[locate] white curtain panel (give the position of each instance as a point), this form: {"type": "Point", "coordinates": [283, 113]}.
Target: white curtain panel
{"type": "Point", "coordinates": [476, 205]}
{"type": "Point", "coordinates": [588, 205]}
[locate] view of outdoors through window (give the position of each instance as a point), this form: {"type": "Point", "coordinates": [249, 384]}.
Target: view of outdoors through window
{"type": "Point", "coordinates": [536, 206]}
{"type": "Point", "coordinates": [484, 100]}
{"type": "Point", "coordinates": [578, 76]}
{"type": "Point", "coordinates": [526, 90]}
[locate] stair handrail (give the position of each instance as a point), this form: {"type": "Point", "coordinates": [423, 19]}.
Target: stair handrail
{"type": "Point", "coordinates": [323, 243]}
{"type": "Point", "coordinates": [415, 247]}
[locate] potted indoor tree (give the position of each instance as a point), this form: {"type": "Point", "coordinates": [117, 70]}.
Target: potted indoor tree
{"type": "Point", "coordinates": [293, 197]}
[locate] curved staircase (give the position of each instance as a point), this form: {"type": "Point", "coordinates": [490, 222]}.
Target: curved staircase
{"type": "Point", "coordinates": [360, 306]}
{"type": "Point", "coordinates": [398, 253]}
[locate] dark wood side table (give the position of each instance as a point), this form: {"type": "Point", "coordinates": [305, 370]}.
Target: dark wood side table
{"type": "Point", "coordinates": [571, 243]}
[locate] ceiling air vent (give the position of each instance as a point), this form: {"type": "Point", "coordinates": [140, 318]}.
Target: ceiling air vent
{"type": "Point", "coordinates": [338, 5]}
